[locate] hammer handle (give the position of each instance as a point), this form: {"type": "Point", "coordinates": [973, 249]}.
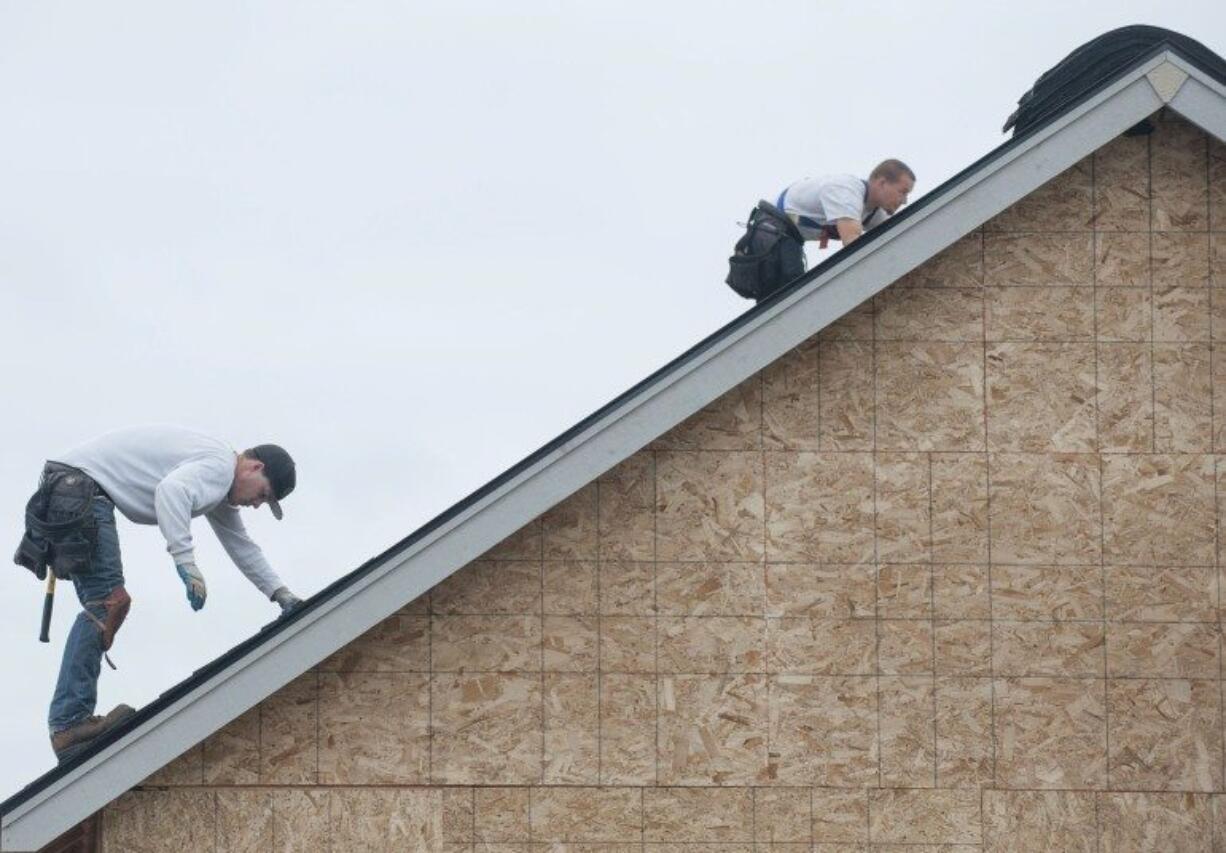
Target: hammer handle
{"type": "Point", "coordinates": [44, 633]}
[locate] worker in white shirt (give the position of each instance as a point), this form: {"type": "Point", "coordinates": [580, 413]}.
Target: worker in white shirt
{"type": "Point", "coordinates": [163, 475]}
{"type": "Point", "coordinates": [833, 207]}
{"type": "Point", "coordinates": [842, 207]}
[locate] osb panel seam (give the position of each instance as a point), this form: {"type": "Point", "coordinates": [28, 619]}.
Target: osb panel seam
{"type": "Point", "coordinates": [988, 544]}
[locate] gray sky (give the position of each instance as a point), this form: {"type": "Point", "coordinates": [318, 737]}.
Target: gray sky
{"type": "Point", "coordinates": [413, 242]}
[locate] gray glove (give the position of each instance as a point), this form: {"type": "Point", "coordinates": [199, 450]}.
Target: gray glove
{"type": "Point", "coordinates": [194, 581]}
{"type": "Point", "coordinates": [286, 599]}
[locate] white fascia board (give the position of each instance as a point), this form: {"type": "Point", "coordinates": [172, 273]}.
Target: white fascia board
{"type": "Point", "coordinates": [1201, 99]}
{"type": "Point", "coordinates": [656, 409]}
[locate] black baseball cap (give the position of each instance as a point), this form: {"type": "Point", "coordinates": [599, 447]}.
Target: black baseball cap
{"type": "Point", "coordinates": [280, 471]}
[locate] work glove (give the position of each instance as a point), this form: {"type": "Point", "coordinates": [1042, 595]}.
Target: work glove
{"type": "Point", "coordinates": [194, 581]}
{"type": "Point", "coordinates": [286, 599]}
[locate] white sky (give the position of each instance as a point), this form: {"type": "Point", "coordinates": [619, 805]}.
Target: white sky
{"type": "Point", "coordinates": [413, 241]}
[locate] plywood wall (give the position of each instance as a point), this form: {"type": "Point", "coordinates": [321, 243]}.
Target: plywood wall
{"type": "Point", "coordinates": [947, 574]}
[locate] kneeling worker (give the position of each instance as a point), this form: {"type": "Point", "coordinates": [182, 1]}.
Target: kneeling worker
{"type": "Point", "coordinates": [161, 475]}
{"type": "Point", "coordinates": [834, 207]}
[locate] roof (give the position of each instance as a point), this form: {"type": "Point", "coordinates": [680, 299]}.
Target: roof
{"type": "Point", "coordinates": [246, 674]}
{"type": "Point", "coordinates": [1101, 59]}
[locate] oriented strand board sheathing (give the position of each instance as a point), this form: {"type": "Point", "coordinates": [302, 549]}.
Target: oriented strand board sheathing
{"type": "Point", "coordinates": [959, 265]}
{"type": "Point", "coordinates": [925, 817]}
{"type": "Point", "coordinates": [1050, 732]}
{"type": "Point", "coordinates": [908, 733]}
{"type": "Point", "coordinates": [698, 814]}
{"type": "Point", "coordinates": [572, 729]}
{"type": "Point", "coordinates": [712, 729]}
{"type": "Point", "coordinates": [143, 821]}
{"type": "Point", "coordinates": [271, 819]}
{"type": "Point", "coordinates": [1039, 314]}
{"type": "Point", "coordinates": [929, 395]}
{"type": "Point", "coordinates": [1156, 821]}
{"type": "Point", "coordinates": [628, 720]}
{"type": "Point", "coordinates": [1122, 185]}
{"type": "Point", "coordinates": [946, 576]}
{"type": "Point", "coordinates": [732, 422]}
{"type": "Point", "coordinates": [231, 755]}
{"type": "Point", "coordinates": [289, 728]}
{"type": "Point", "coordinates": [1217, 184]}
{"type": "Point", "coordinates": [1179, 161]}
{"type": "Point", "coordinates": [485, 727]}
{"type": "Point", "coordinates": [1124, 314]}
{"type": "Point", "coordinates": [930, 314]}
{"type": "Point", "coordinates": [846, 406]}
{"type": "Point", "coordinates": [1041, 397]}
{"type": "Point", "coordinates": [1063, 204]}
{"type": "Point", "coordinates": [791, 401]}
{"type": "Point", "coordinates": [1040, 820]}
{"type": "Point", "coordinates": [1063, 259]}
{"type": "Point", "coordinates": [1122, 259]}
{"type": "Point", "coordinates": [385, 819]}
{"type": "Point", "coordinates": [374, 728]}
{"type": "Point", "coordinates": [708, 505]}
{"type": "Point", "coordinates": [819, 507]}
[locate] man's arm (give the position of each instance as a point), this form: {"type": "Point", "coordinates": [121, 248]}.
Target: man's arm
{"type": "Point", "coordinates": [849, 229]}
{"type": "Point", "coordinates": [243, 551]}
{"type": "Point", "coordinates": [183, 491]}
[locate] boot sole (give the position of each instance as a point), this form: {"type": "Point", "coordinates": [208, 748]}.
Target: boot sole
{"type": "Point", "coordinates": [71, 752]}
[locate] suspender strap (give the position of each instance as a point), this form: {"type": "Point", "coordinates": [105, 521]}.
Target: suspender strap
{"type": "Point", "coordinates": [806, 221]}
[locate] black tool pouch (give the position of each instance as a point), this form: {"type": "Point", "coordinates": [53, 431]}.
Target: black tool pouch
{"type": "Point", "coordinates": [32, 555]}
{"type": "Point", "coordinates": [768, 256]}
{"type": "Point", "coordinates": [60, 527]}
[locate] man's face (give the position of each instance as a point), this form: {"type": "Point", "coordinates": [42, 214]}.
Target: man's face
{"type": "Point", "coordinates": [891, 195]}
{"type": "Point", "coordinates": [250, 487]}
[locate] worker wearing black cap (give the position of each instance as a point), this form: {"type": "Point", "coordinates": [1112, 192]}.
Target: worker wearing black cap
{"type": "Point", "coordinates": [163, 475]}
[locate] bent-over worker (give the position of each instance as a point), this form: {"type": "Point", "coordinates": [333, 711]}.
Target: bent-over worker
{"type": "Point", "coordinates": [163, 475]}
{"type": "Point", "coordinates": [833, 207]}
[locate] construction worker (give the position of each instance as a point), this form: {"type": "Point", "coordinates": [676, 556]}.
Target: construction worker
{"type": "Point", "coordinates": [161, 475]}
{"type": "Point", "coordinates": [834, 207]}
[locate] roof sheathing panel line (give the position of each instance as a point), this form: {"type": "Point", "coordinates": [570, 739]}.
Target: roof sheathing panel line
{"type": "Point", "coordinates": [258, 666]}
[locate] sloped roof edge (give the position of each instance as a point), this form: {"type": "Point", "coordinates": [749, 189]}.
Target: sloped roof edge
{"type": "Point", "coordinates": [248, 673]}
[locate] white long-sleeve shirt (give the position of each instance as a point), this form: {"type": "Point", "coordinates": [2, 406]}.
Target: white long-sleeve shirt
{"type": "Point", "coordinates": [168, 475]}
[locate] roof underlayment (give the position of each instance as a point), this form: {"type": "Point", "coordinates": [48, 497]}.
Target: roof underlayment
{"type": "Point", "coordinates": [1167, 75]}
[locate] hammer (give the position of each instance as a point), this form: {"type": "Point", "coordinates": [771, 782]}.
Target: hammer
{"type": "Point", "coordinates": [44, 633]}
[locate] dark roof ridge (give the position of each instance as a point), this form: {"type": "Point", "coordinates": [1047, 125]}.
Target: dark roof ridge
{"type": "Point", "coordinates": [1101, 58]}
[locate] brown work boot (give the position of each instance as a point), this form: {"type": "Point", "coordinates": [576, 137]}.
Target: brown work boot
{"type": "Point", "coordinates": [71, 742]}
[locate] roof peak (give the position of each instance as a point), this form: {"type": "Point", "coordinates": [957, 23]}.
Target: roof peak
{"type": "Point", "coordinates": [1100, 59]}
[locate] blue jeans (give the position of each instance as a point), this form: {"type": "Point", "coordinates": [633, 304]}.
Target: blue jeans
{"type": "Point", "coordinates": [76, 690]}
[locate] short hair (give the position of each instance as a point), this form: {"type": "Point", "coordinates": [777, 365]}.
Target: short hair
{"type": "Point", "coordinates": [892, 170]}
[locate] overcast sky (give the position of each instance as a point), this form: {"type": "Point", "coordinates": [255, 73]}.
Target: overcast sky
{"type": "Point", "coordinates": [413, 241]}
